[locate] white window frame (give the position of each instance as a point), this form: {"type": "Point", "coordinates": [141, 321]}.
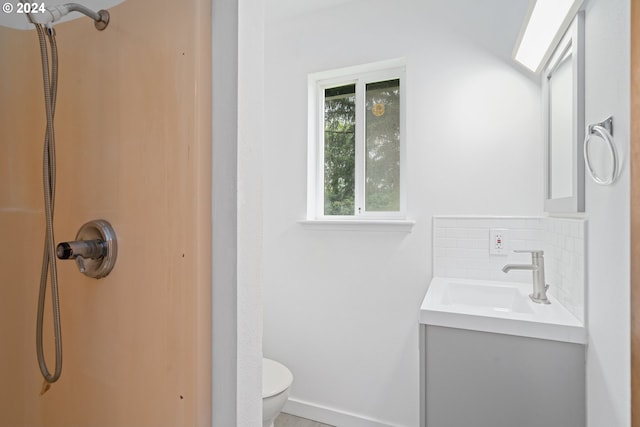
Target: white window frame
{"type": "Point", "coordinates": [360, 76]}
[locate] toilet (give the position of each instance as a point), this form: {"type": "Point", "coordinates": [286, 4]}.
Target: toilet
{"type": "Point", "coordinates": [276, 380]}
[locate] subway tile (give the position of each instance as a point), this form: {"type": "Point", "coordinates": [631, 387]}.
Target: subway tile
{"type": "Point", "coordinates": [536, 224]}
{"type": "Point", "coordinates": [455, 272]}
{"type": "Point", "coordinates": [440, 232]}
{"type": "Point", "coordinates": [568, 243]}
{"type": "Point", "coordinates": [525, 234]}
{"type": "Point", "coordinates": [574, 230]}
{"type": "Point", "coordinates": [445, 222]}
{"type": "Point", "coordinates": [450, 232]}
{"type": "Point", "coordinates": [447, 252]}
{"type": "Point", "coordinates": [518, 223]}
{"type": "Point", "coordinates": [481, 244]}
{"type": "Point", "coordinates": [445, 242]}
{"type": "Point", "coordinates": [478, 263]}
{"type": "Point", "coordinates": [478, 233]}
{"type": "Point", "coordinates": [474, 223]}
{"type": "Point", "coordinates": [482, 274]}
{"type": "Point", "coordinates": [459, 233]}
{"type": "Point", "coordinates": [461, 250]}
{"type": "Point", "coordinates": [467, 254]}
{"type": "Point", "coordinates": [473, 244]}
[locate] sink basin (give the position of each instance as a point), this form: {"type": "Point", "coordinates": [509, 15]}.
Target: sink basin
{"type": "Point", "coordinates": [501, 298]}
{"type": "Point", "coordinates": [498, 307]}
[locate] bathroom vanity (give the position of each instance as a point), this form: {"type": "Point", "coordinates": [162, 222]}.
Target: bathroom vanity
{"type": "Point", "coordinates": [490, 357]}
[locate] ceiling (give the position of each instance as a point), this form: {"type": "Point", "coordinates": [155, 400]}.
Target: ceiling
{"type": "Point", "coordinates": [494, 24]}
{"type": "Point", "coordinates": [278, 9]}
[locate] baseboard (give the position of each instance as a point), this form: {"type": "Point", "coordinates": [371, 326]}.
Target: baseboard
{"type": "Point", "coordinates": [331, 416]}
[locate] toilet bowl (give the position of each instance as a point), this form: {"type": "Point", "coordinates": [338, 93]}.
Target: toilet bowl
{"type": "Point", "coordinates": [276, 380]}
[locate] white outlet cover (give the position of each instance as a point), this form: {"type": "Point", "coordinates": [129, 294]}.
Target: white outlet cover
{"type": "Point", "coordinates": [498, 241]}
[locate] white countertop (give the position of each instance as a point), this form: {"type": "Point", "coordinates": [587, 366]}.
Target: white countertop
{"type": "Point", "coordinates": [513, 313]}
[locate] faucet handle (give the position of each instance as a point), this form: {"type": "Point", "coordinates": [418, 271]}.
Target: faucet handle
{"type": "Point", "coordinates": [529, 251]}
{"type": "Point", "coordinates": [535, 253]}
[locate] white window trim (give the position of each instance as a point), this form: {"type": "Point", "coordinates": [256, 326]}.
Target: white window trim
{"type": "Point", "coordinates": [359, 75]}
{"type": "Point", "coordinates": [395, 225]}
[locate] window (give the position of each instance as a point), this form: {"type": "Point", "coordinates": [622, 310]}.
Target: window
{"type": "Point", "coordinates": [356, 144]}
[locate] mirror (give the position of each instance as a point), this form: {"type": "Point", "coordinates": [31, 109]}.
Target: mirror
{"type": "Point", "coordinates": [561, 129]}
{"type": "Point", "coordinates": [563, 90]}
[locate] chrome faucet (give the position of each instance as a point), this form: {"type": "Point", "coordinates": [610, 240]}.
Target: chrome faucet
{"type": "Point", "coordinates": [539, 294]}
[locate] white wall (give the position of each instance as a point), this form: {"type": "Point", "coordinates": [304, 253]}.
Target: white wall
{"type": "Point", "coordinates": [250, 141]}
{"type": "Point", "coordinates": [224, 212]}
{"type": "Point", "coordinates": [341, 307]}
{"type": "Point", "coordinates": [607, 93]}
{"type": "Point", "coordinates": [238, 44]}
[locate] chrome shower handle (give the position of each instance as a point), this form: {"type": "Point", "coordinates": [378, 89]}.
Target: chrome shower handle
{"type": "Point", "coordinates": [81, 249]}
{"type": "Point", "coordinates": [94, 250]}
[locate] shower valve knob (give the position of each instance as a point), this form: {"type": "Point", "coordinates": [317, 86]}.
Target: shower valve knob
{"type": "Point", "coordinates": [94, 250]}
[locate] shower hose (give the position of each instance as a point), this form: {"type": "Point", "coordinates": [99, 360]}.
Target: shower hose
{"type": "Point", "coordinates": [50, 81]}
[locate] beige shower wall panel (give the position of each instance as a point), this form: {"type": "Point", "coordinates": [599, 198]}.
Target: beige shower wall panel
{"type": "Point", "coordinates": [21, 122]}
{"type": "Point", "coordinates": [133, 147]}
{"type": "Point", "coordinates": [21, 223]}
{"type": "Point", "coordinates": [18, 286]}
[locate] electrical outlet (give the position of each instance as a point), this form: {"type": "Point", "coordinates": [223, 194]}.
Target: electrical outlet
{"type": "Point", "coordinates": [498, 241]}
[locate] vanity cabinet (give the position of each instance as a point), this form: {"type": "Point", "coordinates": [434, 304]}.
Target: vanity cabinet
{"type": "Point", "coordinates": [483, 379]}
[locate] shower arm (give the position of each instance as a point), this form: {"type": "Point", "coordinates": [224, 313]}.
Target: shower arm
{"type": "Point", "coordinates": [55, 13]}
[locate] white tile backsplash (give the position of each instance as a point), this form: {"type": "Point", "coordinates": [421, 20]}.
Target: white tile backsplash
{"type": "Point", "coordinates": [564, 256]}
{"type": "Point", "coordinates": [461, 249]}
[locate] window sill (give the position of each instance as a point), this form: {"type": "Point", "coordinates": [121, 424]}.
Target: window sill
{"type": "Point", "coordinates": [397, 225]}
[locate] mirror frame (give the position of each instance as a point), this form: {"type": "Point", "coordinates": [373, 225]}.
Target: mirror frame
{"type": "Point", "coordinates": [573, 40]}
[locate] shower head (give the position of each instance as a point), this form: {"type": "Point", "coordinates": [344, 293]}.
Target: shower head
{"type": "Point", "coordinates": [55, 13]}
{"type": "Point", "coordinates": [15, 13]}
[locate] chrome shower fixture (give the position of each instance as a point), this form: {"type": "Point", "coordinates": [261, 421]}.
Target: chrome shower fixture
{"type": "Point", "coordinates": [95, 249]}
{"type": "Point", "coordinates": [55, 13]}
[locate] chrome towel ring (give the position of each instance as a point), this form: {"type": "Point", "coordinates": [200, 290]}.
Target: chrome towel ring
{"type": "Point", "coordinates": [605, 131]}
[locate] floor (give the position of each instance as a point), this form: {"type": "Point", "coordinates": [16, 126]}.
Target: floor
{"type": "Point", "coordinates": [286, 420]}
